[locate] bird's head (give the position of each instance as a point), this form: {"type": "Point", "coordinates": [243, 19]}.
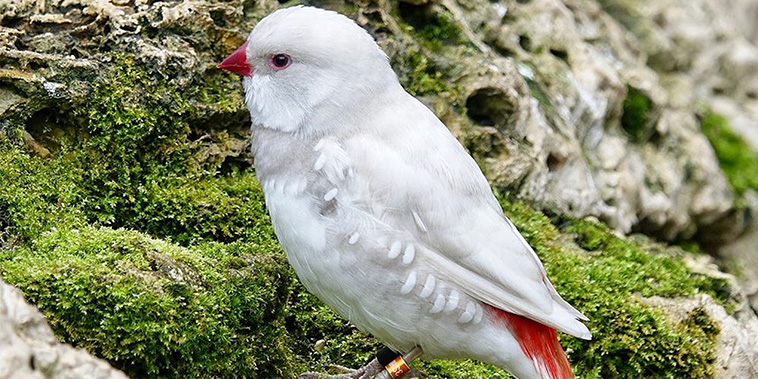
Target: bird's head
{"type": "Point", "coordinates": [302, 60]}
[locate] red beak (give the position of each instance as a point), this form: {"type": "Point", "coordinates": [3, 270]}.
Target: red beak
{"type": "Point", "coordinates": [237, 62]}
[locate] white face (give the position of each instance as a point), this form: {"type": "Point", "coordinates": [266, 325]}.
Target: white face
{"type": "Point", "coordinates": [305, 60]}
{"type": "Point", "coordinates": [280, 97]}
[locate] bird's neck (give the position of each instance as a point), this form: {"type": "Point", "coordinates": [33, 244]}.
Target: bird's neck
{"type": "Point", "coordinates": [351, 110]}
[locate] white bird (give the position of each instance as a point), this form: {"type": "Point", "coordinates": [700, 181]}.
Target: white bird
{"type": "Point", "coordinates": [381, 211]}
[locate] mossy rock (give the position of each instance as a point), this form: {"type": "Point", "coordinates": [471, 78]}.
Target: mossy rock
{"type": "Point", "coordinates": [638, 116]}
{"type": "Point", "coordinates": [738, 161]}
{"type": "Point", "coordinates": [140, 248]}
{"type": "Point", "coordinates": [155, 309]}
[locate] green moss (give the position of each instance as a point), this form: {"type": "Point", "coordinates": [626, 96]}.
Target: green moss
{"type": "Point", "coordinates": [434, 29]}
{"type": "Point", "coordinates": [310, 320]}
{"type": "Point", "coordinates": [738, 161]}
{"type": "Point", "coordinates": [638, 114]}
{"type": "Point", "coordinates": [36, 194]}
{"type": "Point", "coordinates": [424, 78]}
{"type": "Point", "coordinates": [125, 156]}
{"type": "Point", "coordinates": [210, 100]}
{"type": "Point", "coordinates": [467, 369]}
{"type": "Point", "coordinates": [433, 39]}
{"type": "Point", "coordinates": [155, 309]}
{"type": "Point", "coordinates": [138, 132]}
{"type": "Point", "coordinates": [441, 31]}
{"type": "Point", "coordinates": [226, 209]}
{"type": "Point", "coordinates": [421, 76]}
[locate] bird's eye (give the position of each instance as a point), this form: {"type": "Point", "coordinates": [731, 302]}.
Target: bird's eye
{"type": "Point", "coordinates": [279, 61]}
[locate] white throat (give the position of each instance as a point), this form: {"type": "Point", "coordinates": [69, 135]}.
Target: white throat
{"type": "Point", "coordinates": [270, 109]}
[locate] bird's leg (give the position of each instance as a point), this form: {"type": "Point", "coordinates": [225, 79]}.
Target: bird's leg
{"type": "Point", "coordinates": [390, 371]}
{"type": "Point", "coordinates": [374, 368]}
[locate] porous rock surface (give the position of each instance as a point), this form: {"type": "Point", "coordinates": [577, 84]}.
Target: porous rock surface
{"type": "Point", "coordinates": [737, 341]}
{"type": "Point", "coordinates": [658, 176]}
{"type": "Point", "coordinates": [29, 350]}
{"type": "Point", "coordinates": [743, 253]}
{"type": "Point", "coordinates": [736, 345]}
{"type": "Point", "coordinates": [706, 52]}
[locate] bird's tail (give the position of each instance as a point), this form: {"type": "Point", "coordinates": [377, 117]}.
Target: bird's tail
{"type": "Point", "coordinates": [539, 343]}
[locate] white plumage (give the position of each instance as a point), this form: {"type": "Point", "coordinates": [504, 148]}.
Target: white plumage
{"type": "Point", "coordinates": [382, 213]}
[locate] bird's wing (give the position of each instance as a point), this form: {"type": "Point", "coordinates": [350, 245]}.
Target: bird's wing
{"type": "Point", "coordinates": [421, 180]}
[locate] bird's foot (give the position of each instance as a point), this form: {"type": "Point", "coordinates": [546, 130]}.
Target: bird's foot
{"type": "Point", "coordinates": [376, 370]}
{"type": "Point", "coordinates": [365, 372]}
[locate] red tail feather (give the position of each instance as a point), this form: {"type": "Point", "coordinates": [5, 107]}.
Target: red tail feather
{"type": "Point", "coordinates": [539, 343]}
